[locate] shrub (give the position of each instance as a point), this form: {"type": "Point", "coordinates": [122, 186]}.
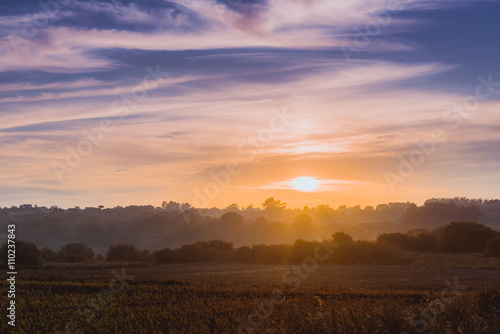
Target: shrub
{"type": "Point", "coordinates": [396, 239]}
{"type": "Point", "coordinates": [270, 254]}
{"type": "Point", "coordinates": [165, 256]}
{"type": "Point", "coordinates": [342, 238]}
{"type": "Point", "coordinates": [419, 243]}
{"type": "Point", "coordinates": [125, 253]}
{"type": "Point", "coordinates": [367, 252]}
{"type": "Point", "coordinates": [464, 237]}
{"type": "Point", "coordinates": [76, 252]}
{"type": "Point", "coordinates": [204, 251]}
{"type": "Point", "coordinates": [425, 243]}
{"type": "Point", "coordinates": [49, 255]}
{"type": "Point", "coordinates": [302, 249]}
{"type": "Point", "coordinates": [26, 253]}
{"type": "Point", "coordinates": [242, 254]}
{"type": "Point", "coordinates": [493, 247]}
{"type": "Point", "coordinates": [200, 251]}
{"type": "Point", "coordinates": [231, 220]}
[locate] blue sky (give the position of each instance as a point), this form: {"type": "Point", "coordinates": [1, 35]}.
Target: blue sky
{"type": "Point", "coordinates": [365, 81]}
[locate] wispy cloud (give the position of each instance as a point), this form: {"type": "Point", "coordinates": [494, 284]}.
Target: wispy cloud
{"type": "Point", "coordinates": [230, 64]}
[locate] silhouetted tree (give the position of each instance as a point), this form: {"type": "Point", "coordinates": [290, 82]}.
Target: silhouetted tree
{"type": "Point", "coordinates": [341, 238]}
{"type": "Point", "coordinates": [242, 255]}
{"type": "Point", "coordinates": [324, 212]}
{"type": "Point", "coordinates": [493, 247]}
{"type": "Point", "coordinates": [76, 252]}
{"type": "Point", "coordinates": [233, 207]}
{"type": "Point", "coordinates": [26, 253]}
{"type": "Point", "coordinates": [419, 243]}
{"type": "Point", "coordinates": [273, 204]}
{"type": "Point", "coordinates": [396, 239]}
{"type": "Point", "coordinates": [196, 252]}
{"type": "Point", "coordinates": [49, 255]}
{"type": "Point", "coordinates": [424, 243]}
{"type": "Point", "coordinates": [366, 252]}
{"type": "Point", "coordinates": [302, 225]}
{"type": "Point", "coordinates": [464, 237]}
{"type": "Point", "coordinates": [219, 245]}
{"type": "Point", "coordinates": [171, 206]}
{"type": "Point", "coordinates": [125, 253]}
{"type": "Point", "coordinates": [270, 254]}
{"type": "Point", "coordinates": [204, 251]}
{"type": "Point", "coordinates": [437, 213]}
{"type": "Point", "coordinates": [231, 220]}
{"type": "Point", "coordinates": [165, 256]}
{"type": "Point", "coordinates": [301, 250]}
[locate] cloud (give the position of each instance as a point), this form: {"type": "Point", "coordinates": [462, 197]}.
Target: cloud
{"type": "Point", "coordinates": [231, 64]}
{"type": "Point", "coordinates": [194, 25]}
{"type": "Point", "coordinates": [324, 185]}
{"type": "Point", "coordinates": [30, 86]}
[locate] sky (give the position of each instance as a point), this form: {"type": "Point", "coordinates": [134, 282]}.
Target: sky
{"type": "Point", "coordinates": [214, 102]}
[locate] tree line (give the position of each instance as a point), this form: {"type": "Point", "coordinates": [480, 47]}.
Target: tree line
{"type": "Point", "coordinates": [456, 237]}
{"type": "Point", "coordinates": [175, 224]}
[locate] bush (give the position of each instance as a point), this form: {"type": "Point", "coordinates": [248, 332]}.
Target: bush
{"type": "Point", "coordinates": [397, 239]}
{"type": "Point", "coordinates": [165, 256]}
{"type": "Point", "coordinates": [342, 238]}
{"type": "Point", "coordinates": [76, 252]}
{"type": "Point", "coordinates": [367, 252]}
{"type": "Point", "coordinates": [231, 220]}
{"type": "Point", "coordinates": [302, 226]}
{"type": "Point", "coordinates": [270, 254]}
{"type": "Point", "coordinates": [200, 251]}
{"type": "Point", "coordinates": [49, 255]}
{"type": "Point", "coordinates": [419, 243]}
{"type": "Point", "coordinates": [425, 243]}
{"type": "Point", "coordinates": [493, 247]}
{"type": "Point", "coordinates": [242, 254]}
{"type": "Point", "coordinates": [302, 249]}
{"type": "Point", "coordinates": [125, 253]}
{"type": "Point", "coordinates": [27, 253]}
{"type": "Point", "coordinates": [205, 251]}
{"type": "Point", "coordinates": [464, 237]}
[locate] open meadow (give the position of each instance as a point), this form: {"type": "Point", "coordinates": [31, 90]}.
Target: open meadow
{"type": "Point", "coordinates": [428, 276]}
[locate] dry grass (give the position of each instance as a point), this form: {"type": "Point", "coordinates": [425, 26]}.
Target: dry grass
{"type": "Point", "coordinates": [154, 307]}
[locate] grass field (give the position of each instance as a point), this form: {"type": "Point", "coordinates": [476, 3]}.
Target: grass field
{"type": "Point", "coordinates": [426, 272]}
{"type": "Point", "coordinates": [435, 295]}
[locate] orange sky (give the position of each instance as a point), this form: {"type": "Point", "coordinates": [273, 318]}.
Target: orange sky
{"type": "Point", "coordinates": [151, 103]}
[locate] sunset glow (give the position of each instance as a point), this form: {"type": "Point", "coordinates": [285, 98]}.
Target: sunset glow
{"type": "Point", "coordinates": [305, 183]}
{"type": "Point", "coordinates": [213, 102]}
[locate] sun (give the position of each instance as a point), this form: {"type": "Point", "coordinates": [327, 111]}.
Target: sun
{"type": "Point", "coordinates": [305, 183]}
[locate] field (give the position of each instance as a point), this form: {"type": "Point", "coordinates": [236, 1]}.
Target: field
{"type": "Point", "coordinates": [427, 272]}
{"type": "Point", "coordinates": [439, 294]}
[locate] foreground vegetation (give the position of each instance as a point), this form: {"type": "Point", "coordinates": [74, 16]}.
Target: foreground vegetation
{"type": "Point", "coordinates": [174, 307]}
